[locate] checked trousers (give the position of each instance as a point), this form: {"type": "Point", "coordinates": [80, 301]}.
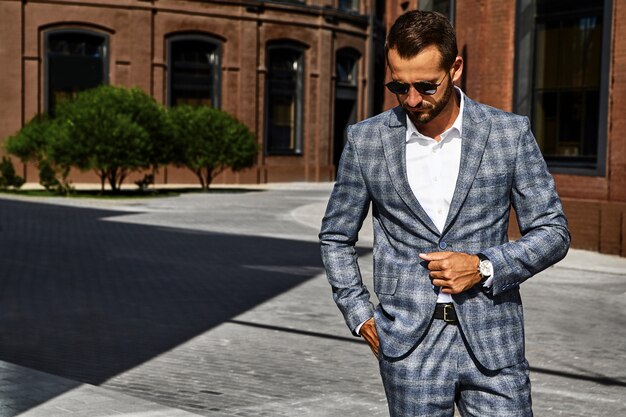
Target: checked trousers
{"type": "Point", "coordinates": [440, 372]}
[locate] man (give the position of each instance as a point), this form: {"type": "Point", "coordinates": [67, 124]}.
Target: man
{"type": "Point", "coordinates": [441, 173]}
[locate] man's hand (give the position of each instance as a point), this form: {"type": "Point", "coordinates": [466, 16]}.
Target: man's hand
{"type": "Point", "coordinates": [369, 333]}
{"type": "Point", "coordinates": [454, 272]}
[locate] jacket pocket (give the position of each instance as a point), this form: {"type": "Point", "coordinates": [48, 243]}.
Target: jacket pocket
{"type": "Point", "coordinates": [385, 285]}
{"type": "Point", "coordinates": [499, 180]}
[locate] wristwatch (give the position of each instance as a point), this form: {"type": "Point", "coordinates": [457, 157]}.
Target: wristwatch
{"type": "Point", "coordinates": [485, 268]}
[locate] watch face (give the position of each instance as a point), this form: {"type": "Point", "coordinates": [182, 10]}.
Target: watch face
{"type": "Point", "coordinates": [486, 269]}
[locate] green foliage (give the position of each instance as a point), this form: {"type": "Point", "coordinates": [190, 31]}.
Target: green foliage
{"type": "Point", "coordinates": [29, 143]}
{"type": "Point", "coordinates": [45, 141]}
{"type": "Point", "coordinates": [209, 140]}
{"type": "Point", "coordinates": [49, 178]}
{"type": "Point", "coordinates": [8, 178]}
{"type": "Point", "coordinates": [115, 131]}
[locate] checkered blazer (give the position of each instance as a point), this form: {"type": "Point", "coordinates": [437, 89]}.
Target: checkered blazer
{"type": "Point", "coordinates": [501, 166]}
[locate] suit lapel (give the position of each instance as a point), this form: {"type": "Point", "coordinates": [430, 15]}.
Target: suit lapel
{"type": "Point", "coordinates": [394, 146]}
{"type": "Point", "coordinates": [476, 128]}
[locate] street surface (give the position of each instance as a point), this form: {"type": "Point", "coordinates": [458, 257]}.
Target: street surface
{"type": "Point", "coordinates": [216, 305]}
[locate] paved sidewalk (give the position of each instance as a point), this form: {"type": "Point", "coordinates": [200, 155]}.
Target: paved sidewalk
{"type": "Point", "coordinates": [31, 393]}
{"type": "Point", "coordinates": [216, 305]}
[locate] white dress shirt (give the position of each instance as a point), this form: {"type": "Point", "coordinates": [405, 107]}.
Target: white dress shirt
{"type": "Point", "coordinates": [432, 170]}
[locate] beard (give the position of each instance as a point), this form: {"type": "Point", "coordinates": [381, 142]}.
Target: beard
{"type": "Point", "coordinates": [428, 111]}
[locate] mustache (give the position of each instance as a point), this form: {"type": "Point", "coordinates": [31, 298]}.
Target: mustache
{"type": "Point", "coordinates": [421, 106]}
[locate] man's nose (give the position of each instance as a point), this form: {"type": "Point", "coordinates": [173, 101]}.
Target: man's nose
{"type": "Point", "coordinates": [413, 98]}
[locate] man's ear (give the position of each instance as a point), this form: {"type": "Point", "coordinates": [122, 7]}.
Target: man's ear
{"type": "Point", "coordinates": [458, 69]}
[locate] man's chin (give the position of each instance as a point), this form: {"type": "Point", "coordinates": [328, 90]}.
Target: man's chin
{"type": "Point", "coordinates": [420, 118]}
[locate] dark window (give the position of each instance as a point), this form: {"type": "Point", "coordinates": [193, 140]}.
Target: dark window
{"type": "Point", "coordinates": [346, 67]}
{"type": "Point", "coordinates": [285, 64]}
{"type": "Point", "coordinates": [75, 61]}
{"type": "Point", "coordinates": [194, 71]}
{"type": "Point", "coordinates": [567, 81]}
{"type": "Point", "coordinates": [346, 73]}
{"type": "Point", "coordinates": [349, 5]}
{"type": "Point", "coordinates": [442, 6]}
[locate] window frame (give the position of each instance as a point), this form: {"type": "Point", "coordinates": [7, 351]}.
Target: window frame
{"type": "Point", "coordinates": [46, 59]}
{"type": "Point", "coordinates": [523, 93]}
{"type": "Point", "coordinates": [299, 94]}
{"type": "Point", "coordinates": [428, 5]}
{"type": "Point", "coordinates": [217, 76]}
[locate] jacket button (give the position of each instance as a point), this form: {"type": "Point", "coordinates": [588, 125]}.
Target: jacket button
{"type": "Point", "coordinates": [443, 245]}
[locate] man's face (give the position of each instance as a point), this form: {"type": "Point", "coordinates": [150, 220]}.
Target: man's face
{"type": "Point", "coordinates": [425, 66]}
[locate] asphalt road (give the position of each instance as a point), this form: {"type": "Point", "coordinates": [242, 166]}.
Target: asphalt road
{"type": "Point", "coordinates": [216, 304]}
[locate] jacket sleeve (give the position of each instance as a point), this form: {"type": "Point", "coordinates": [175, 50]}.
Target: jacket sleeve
{"type": "Point", "coordinates": [545, 236]}
{"type": "Point", "coordinates": [347, 208]}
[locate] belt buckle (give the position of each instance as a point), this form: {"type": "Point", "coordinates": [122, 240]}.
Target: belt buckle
{"type": "Point", "coordinates": [445, 313]}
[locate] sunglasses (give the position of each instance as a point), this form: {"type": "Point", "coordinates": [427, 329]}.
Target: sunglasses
{"type": "Point", "coordinates": [423, 87]}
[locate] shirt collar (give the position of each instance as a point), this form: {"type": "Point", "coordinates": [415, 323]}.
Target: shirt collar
{"type": "Point", "coordinates": [456, 126]}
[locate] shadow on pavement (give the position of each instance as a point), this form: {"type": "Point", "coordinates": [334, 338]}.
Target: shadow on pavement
{"type": "Point", "coordinates": [87, 299]}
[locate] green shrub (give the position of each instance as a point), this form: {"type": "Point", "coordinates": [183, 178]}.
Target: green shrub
{"type": "Point", "coordinates": [115, 131]}
{"type": "Point", "coordinates": [44, 141]}
{"type": "Point", "coordinates": [8, 178]}
{"type": "Point", "coordinates": [29, 143]}
{"type": "Point", "coordinates": [208, 141]}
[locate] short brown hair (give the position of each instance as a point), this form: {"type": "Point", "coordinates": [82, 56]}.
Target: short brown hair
{"type": "Point", "coordinates": [417, 29]}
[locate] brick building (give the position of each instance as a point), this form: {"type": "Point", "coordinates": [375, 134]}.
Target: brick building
{"type": "Point", "coordinates": [297, 72]}
{"type": "Point", "coordinates": [294, 72]}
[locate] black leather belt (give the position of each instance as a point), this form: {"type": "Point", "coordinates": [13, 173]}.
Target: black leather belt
{"type": "Point", "coordinates": [446, 313]}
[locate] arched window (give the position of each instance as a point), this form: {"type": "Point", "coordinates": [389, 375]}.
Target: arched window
{"type": "Point", "coordinates": [194, 70]}
{"type": "Point", "coordinates": [284, 100]}
{"type": "Point", "coordinates": [346, 67]}
{"type": "Point", "coordinates": [75, 60]}
{"type": "Point", "coordinates": [346, 75]}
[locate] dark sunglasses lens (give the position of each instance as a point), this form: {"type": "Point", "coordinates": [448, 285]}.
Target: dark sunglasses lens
{"type": "Point", "coordinates": [397, 87]}
{"type": "Point", "coordinates": [426, 88]}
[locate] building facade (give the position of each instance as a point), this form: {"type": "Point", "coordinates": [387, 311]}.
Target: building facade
{"type": "Point", "coordinates": [297, 72]}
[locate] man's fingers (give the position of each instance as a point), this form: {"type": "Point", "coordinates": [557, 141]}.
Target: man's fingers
{"type": "Point", "coordinates": [435, 256]}
{"type": "Point", "coordinates": [368, 331]}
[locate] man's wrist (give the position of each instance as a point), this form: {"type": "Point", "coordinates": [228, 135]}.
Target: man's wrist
{"type": "Point", "coordinates": [358, 328]}
{"type": "Point", "coordinates": [485, 270]}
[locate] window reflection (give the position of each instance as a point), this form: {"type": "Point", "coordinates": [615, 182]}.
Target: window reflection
{"type": "Point", "coordinates": [349, 5]}
{"type": "Point", "coordinates": [445, 7]}
{"type": "Point", "coordinates": [75, 61]}
{"type": "Point", "coordinates": [284, 99]}
{"type": "Point", "coordinates": [568, 57]}
{"type": "Point", "coordinates": [194, 71]}
{"type": "Point", "coordinates": [346, 68]}
{"type": "Point", "coordinates": [344, 113]}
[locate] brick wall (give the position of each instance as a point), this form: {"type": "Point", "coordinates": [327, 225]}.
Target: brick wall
{"type": "Point", "coordinates": [595, 225]}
